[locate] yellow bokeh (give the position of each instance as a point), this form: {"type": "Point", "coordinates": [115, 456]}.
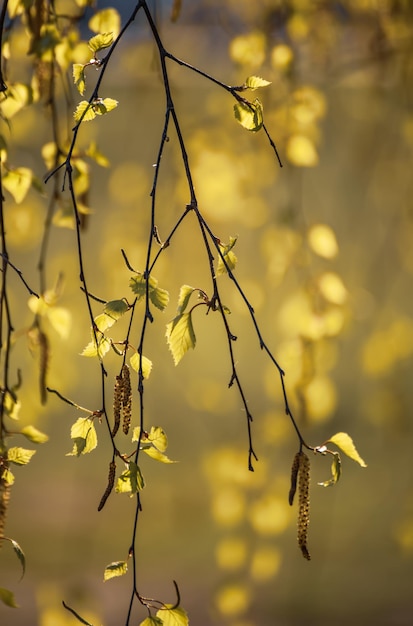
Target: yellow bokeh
{"type": "Point", "coordinates": [129, 183]}
{"type": "Point", "coordinates": [24, 223]}
{"type": "Point", "coordinates": [265, 563]}
{"type": "Point", "coordinates": [332, 288]}
{"type": "Point", "coordinates": [384, 348]}
{"type": "Point", "coordinates": [233, 599]}
{"type": "Point", "coordinates": [281, 57]}
{"type": "Point", "coordinates": [321, 398]}
{"type": "Point", "coordinates": [279, 247]}
{"type": "Point", "coordinates": [248, 49]}
{"type": "Point", "coordinates": [228, 506]}
{"type": "Point", "coordinates": [231, 553]}
{"type": "Point", "coordinates": [228, 465]}
{"type": "Point", "coordinates": [270, 515]}
{"type": "Point", "coordinates": [322, 241]}
{"type": "Point", "coordinates": [301, 151]}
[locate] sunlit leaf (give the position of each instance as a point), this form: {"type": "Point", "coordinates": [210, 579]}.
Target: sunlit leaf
{"type": "Point", "coordinates": [18, 96]}
{"type": "Point", "coordinates": [101, 106]}
{"type": "Point", "coordinates": [19, 456]}
{"type": "Point", "coordinates": [180, 336]}
{"type": "Point", "coordinates": [11, 406]}
{"type": "Point", "coordinates": [105, 21]}
{"type": "Point", "coordinates": [84, 436]}
{"type": "Point", "coordinates": [102, 347]}
{"type": "Point", "coordinates": [7, 477]}
{"type": "Point", "coordinates": [20, 555]}
{"type": "Point", "coordinates": [254, 82]}
{"type": "Point", "coordinates": [185, 293]}
{"type": "Point", "coordinates": [146, 364]}
{"type": "Point", "coordinates": [156, 454]}
{"type": "Point", "coordinates": [249, 115]}
{"type": "Point", "coordinates": [158, 437]}
{"type": "Point", "coordinates": [101, 41]}
{"type": "Point", "coordinates": [7, 597]}
{"type": "Point", "coordinates": [159, 297]}
{"type": "Point", "coordinates": [173, 616]}
{"type": "Point", "coordinates": [34, 435]}
{"type": "Point", "coordinates": [229, 257]}
{"type": "Point", "coordinates": [84, 111]}
{"type": "Point", "coordinates": [61, 320]}
{"type": "Point", "coordinates": [18, 182]}
{"type": "Point", "coordinates": [79, 77]}
{"type": "Point", "coordinates": [346, 444]}
{"type": "Point", "coordinates": [335, 472]}
{"type": "Point", "coordinates": [117, 568]}
{"type": "Point", "coordinates": [131, 480]}
{"type": "Point", "coordinates": [151, 621]}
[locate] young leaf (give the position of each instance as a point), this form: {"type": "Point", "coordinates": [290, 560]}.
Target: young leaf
{"type": "Point", "coordinates": [156, 454]}
{"type": "Point", "coordinates": [173, 616]}
{"type": "Point", "coordinates": [101, 41]}
{"type": "Point", "coordinates": [105, 21]}
{"type": "Point", "coordinates": [249, 115]}
{"type": "Point", "coordinates": [131, 480]}
{"type": "Point", "coordinates": [151, 621]}
{"type": "Point", "coordinates": [158, 438]}
{"type": "Point", "coordinates": [254, 82]}
{"type": "Point", "coordinates": [34, 435]}
{"type": "Point", "coordinates": [146, 364]}
{"type": "Point", "coordinates": [18, 182]}
{"type": "Point", "coordinates": [20, 555]}
{"type": "Point", "coordinates": [101, 106]}
{"type": "Point", "coordinates": [229, 257]}
{"type": "Point", "coordinates": [159, 297]}
{"type": "Point", "coordinates": [335, 472]}
{"type": "Point", "coordinates": [185, 293]}
{"type": "Point", "coordinates": [7, 477]}
{"type": "Point", "coordinates": [79, 77]}
{"type": "Point", "coordinates": [19, 456]}
{"type": "Point", "coordinates": [84, 435]}
{"type": "Point", "coordinates": [117, 568]}
{"type": "Point", "coordinates": [345, 443]}
{"type": "Point", "coordinates": [7, 597]}
{"type": "Point", "coordinates": [180, 336]}
{"type": "Point", "coordinates": [116, 308]}
{"type": "Point", "coordinates": [84, 111]}
{"type": "Point", "coordinates": [101, 349]}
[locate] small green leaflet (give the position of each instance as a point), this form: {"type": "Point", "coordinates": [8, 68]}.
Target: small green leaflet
{"type": "Point", "coordinates": [112, 312]}
{"type": "Point", "coordinates": [153, 443]}
{"type": "Point", "coordinates": [34, 435]}
{"type": "Point", "coordinates": [158, 438]}
{"type": "Point", "coordinates": [335, 472]}
{"type": "Point", "coordinates": [107, 20]}
{"type": "Point", "coordinates": [151, 621]}
{"type": "Point", "coordinates": [346, 444]}
{"type": "Point", "coordinates": [131, 480]}
{"type": "Point", "coordinates": [117, 568]}
{"type": "Point", "coordinates": [159, 297]}
{"type": "Point", "coordinates": [173, 616]}
{"type": "Point", "coordinates": [86, 111]}
{"type": "Point", "coordinates": [180, 336]}
{"type": "Point", "coordinates": [116, 308]}
{"type": "Point", "coordinates": [156, 454]}
{"type": "Point", "coordinates": [84, 435]}
{"type": "Point", "coordinates": [7, 597]}
{"type": "Point", "coordinates": [19, 456]}
{"type": "Point", "coordinates": [254, 82]}
{"type": "Point", "coordinates": [103, 346]}
{"type": "Point", "coordinates": [146, 364]}
{"type": "Point", "coordinates": [7, 477]}
{"type": "Point", "coordinates": [79, 77]}
{"type": "Point", "coordinates": [185, 293]}
{"type": "Point", "coordinates": [101, 41]}
{"type": "Point", "coordinates": [229, 257]}
{"type": "Point", "coordinates": [249, 115]}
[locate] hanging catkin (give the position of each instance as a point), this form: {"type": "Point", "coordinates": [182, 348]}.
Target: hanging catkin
{"type": "Point", "coordinates": [117, 403]}
{"type": "Point", "coordinates": [126, 399]}
{"type": "Point", "coordinates": [4, 503]}
{"type": "Point", "coordinates": [294, 474]}
{"type": "Point", "coordinates": [304, 503]}
{"type": "Point", "coordinates": [111, 482]}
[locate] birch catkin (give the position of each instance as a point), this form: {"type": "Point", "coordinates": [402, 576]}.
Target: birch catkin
{"type": "Point", "coordinates": [111, 482]}
{"type": "Point", "coordinates": [126, 399]}
{"type": "Point", "coordinates": [117, 404]}
{"type": "Point", "coordinates": [294, 474]}
{"type": "Point", "coordinates": [304, 503]}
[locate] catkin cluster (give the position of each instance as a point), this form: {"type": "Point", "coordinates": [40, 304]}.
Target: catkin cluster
{"type": "Point", "coordinates": [4, 503]}
{"type": "Point", "coordinates": [304, 503]}
{"type": "Point", "coordinates": [122, 401]}
{"type": "Point", "coordinates": [111, 482]}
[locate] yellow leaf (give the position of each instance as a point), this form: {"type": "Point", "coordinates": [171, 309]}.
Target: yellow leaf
{"type": "Point", "coordinates": [84, 111]}
{"type": "Point", "coordinates": [249, 115]}
{"type": "Point", "coordinates": [107, 20]}
{"type": "Point", "coordinates": [117, 568]}
{"type": "Point", "coordinates": [180, 336]}
{"type": "Point", "coordinates": [345, 443]}
{"type": "Point", "coordinates": [79, 77]}
{"type": "Point", "coordinates": [301, 151]}
{"type": "Point", "coordinates": [18, 182]}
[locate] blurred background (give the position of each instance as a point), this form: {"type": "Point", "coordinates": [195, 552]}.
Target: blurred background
{"type": "Point", "coordinates": [325, 257]}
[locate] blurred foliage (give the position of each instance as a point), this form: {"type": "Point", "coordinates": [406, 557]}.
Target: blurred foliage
{"type": "Point", "coordinates": [324, 254]}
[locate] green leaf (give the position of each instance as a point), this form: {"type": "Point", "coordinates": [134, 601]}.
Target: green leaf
{"type": "Point", "coordinates": [7, 477]}
{"type": "Point", "coordinates": [156, 454]}
{"type": "Point", "coordinates": [105, 21]}
{"type": "Point", "coordinates": [79, 77]}
{"type": "Point", "coordinates": [101, 349]}
{"type": "Point", "coordinates": [84, 435]}
{"type": "Point", "coordinates": [131, 480]}
{"type": "Point", "coordinates": [229, 257]}
{"type": "Point", "coordinates": [185, 293]}
{"type": "Point", "coordinates": [7, 597]}
{"type": "Point", "coordinates": [84, 111]}
{"type": "Point", "coordinates": [117, 568]}
{"type": "Point", "coordinates": [18, 182]}
{"type": "Point", "coordinates": [254, 82]}
{"type": "Point", "coordinates": [146, 364]}
{"type": "Point", "coordinates": [34, 435]}
{"type": "Point", "coordinates": [249, 115]}
{"type": "Point", "coordinates": [20, 555]}
{"type": "Point", "coordinates": [104, 321]}
{"type": "Point", "coordinates": [151, 621]}
{"type": "Point", "coordinates": [335, 472]}
{"type": "Point", "coordinates": [159, 297]}
{"type": "Point", "coordinates": [19, 456]}
{"type": "Point", "coordinates": [345, 443]}
{"type": "Point", "coordinates": [173, 616]}
{"type": "Point", "coordinates": [180, 336]}
{"type": "Point", "coordinates": [158, 438]}
{"type": "Point", "coordinates": [101, 41]}
{"type": "Point", "coordinates": [101, 106]}
{"type": "Point", "coordinates": [116, 308]}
